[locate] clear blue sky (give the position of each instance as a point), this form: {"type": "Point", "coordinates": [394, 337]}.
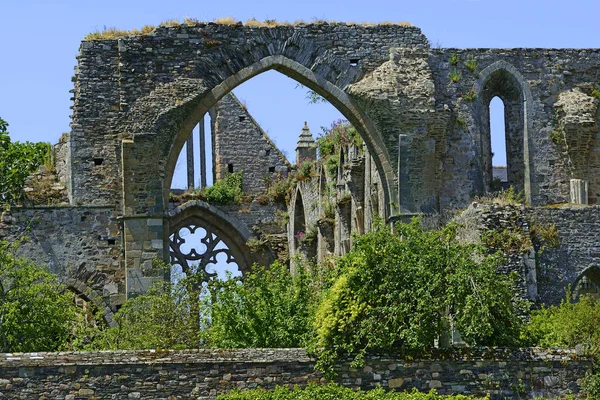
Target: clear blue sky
{"type": "Point", "coordinates": [39, 41]}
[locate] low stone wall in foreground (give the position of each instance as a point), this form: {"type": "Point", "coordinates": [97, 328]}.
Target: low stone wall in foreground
{"type": "Point", "coordinates": [203, 374]}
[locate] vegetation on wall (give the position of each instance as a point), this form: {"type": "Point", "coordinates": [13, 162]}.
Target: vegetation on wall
{"type": "Point", "coordinates": [17, 161]}
{"type": "Point", "coordinates": [340, 134]}
{"type": "Point", "coordinates": [114, 33]}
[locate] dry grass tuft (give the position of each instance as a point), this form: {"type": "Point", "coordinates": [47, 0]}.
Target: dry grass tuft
{"type": "Point", "coordinates": [191, 21]}
{"type": "Point", "coordinates": [170, 22]}
{"type": "Point", "coordinates": [146, 29]}
{"type": "Point", "coordinates": [225, 21]}
{"type": "Point", "coordinates": [253, 22]}
{"type": "Point", "coordinates": [114, 33]}
{"type": "Point", "coordinates": [108, 33]}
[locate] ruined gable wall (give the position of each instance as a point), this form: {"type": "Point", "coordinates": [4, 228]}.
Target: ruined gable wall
{"type": "Point", "coordinates": [240, 142]}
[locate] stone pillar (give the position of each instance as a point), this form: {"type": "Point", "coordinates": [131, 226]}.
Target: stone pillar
{"type": "Point", "coordinates": [202, 154]}
{"type": "Point", "coordinates": [306, 149]}
{"type": "Point", "coordinates": [579, 191]}
{"type": "Point", "coordinates": [144, 241]}
{"type": "Point", "coordinates": [190, 161]}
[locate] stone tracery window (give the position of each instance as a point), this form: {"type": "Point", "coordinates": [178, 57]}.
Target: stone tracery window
{"type": "Point", "coordinates": [195, 248]}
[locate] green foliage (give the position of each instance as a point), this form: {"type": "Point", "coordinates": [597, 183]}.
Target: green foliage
{"type": "Point", "coordinates": [395, 292]}
{"type": "Point", "coordinates": [471, 64]}
{"type": "Point", "coordinates": [591, 385]}
{"type": "Point", "coordinates": [279, 189]}
{"type": "Point", "coordinates": [340, 134]}
{"type": "Point", "coordinates": [567, 324]}
{"type": "Point", "coordinates": [557, 137]}
{"type": "Point", "coordinates": [510, 239]}
{"type": "Point", "coordinates": [469, 96]}
{"type": "Point", "coordinates": [266, 308]}
{"type": "Point", "coordinates": [36, 313]}
{"type": "Point", "coordinates": [225, 191]}
{"type": "Point", "coordinates": [595, 92]}
{"type": "Point", "coordinates": [17, 161]}
{"type": "Point", "coordinates": [305, 170]}
{"type": "Point", "coordinates": [454, 76]}
{"type": "Point", "coordinates": [333, 391]}
{"type": "Point", "coordinates": [544, 235]}
{"type": "Point", "coordinates": [454, 59]}
{"type": "Point", "coordinates": [331, 166]}
{"type": "Point", "coordinates": [165, 317]}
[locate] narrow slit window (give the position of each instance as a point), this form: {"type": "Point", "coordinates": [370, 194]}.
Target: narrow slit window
{"type": "Point", "coordinates": [230, 168]}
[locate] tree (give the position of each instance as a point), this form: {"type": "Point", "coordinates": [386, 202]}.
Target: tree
{"type": "Point", "coordinates": [17, 161]}
{"type": "Point", "coordinates": [36, 311]}
{"type": "Point", "coordinates": [397, 291]}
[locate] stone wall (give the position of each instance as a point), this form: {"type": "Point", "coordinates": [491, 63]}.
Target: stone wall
{"type": "Point", "coordinates": [546, 271]}
{"type": "Point", "coordinates": [203, 374]}
{"type": "Point", "coordinates": [578, 230]}
{"type": "Point", "coordinates": [82, 245]}
{"type": "Point", "coordinates": [240, 144]}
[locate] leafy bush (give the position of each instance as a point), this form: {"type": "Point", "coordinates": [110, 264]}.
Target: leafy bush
{"type": "Point", "coordinates": [305, 170]}
{"type": "Point", "coordinates": [340, 134]}
{"type": "Point", "coordinates": [279, 189]}
{"type": "Point", "coordinates": [396, 291]}
{"type": "Point", "coordinates": [167, 316]}
{"type": "Point", "coordinates": [225, 191]}
{"type": "Point", "coordinates": [332, 391]}
{"type": "Point", "coordinates": [266, 308]}
{"type": "Point", "coordinates": [17, 161]}
{"type": "Point", "coordinates": [36, 312]}
{"type": "Point", "coordinates": [567, 325]}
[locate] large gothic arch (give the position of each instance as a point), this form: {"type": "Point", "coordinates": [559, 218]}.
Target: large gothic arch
{"type": "Point", "coordinates": [190, 100]}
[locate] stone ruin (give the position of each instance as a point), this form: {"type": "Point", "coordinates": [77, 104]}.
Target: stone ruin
{"type": "Point", "coordinates": [422, 112]}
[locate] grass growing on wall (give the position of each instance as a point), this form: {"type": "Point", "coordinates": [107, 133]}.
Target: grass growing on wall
{"type": "Point", "coordinates": [108, 33]}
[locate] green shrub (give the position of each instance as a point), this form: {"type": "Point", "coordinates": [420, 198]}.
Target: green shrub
{"type": "Point", "coordinates": [265, 308]}
{"type": "Point", "coordinates": [567, 325]}
{"type": "Point", "coordinates": [305, 170]}
{"type": "Point", "coordinates": [454, 76]}
{"type": "Point", "coordinates": [37, 313]}
{"type": "Point", "coordinates": [334, 392]}
{"type": "Point", "coordinates": [395, 291]}
{"type": "Point", "coordinates": [471, 64]}
{"type": "Point", "coordinates": [279, 189]}
{"type": "Point", "coordinates": [225, 191]}
{"type": "Point", "coordinates": [167, 316]}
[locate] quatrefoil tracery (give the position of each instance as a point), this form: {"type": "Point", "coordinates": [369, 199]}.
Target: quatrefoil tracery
{"type": "Point", "coordinates": [196, 255]}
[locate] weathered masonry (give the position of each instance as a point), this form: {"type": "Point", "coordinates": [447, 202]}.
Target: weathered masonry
{"type": "Point", "coordinates": [423, 114]}
{"type": "Point", "coordinates": [204, 374]}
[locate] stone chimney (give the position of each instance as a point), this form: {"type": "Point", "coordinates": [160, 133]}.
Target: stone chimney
{"type": "Point", "coordinates": [306, 149]}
